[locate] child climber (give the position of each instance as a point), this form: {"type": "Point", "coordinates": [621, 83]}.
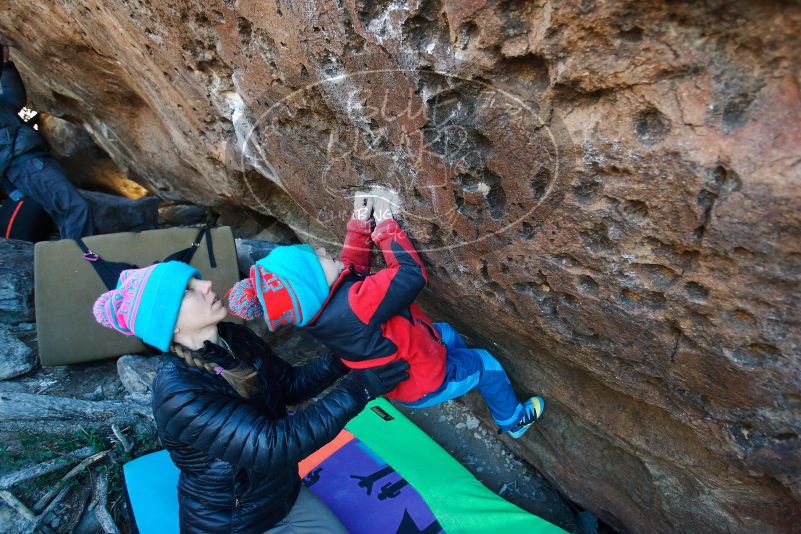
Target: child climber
{"type": "Point", "coordinates": [371, 319]}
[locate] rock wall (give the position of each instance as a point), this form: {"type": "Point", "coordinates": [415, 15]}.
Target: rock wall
{"type": "Point", "coordinates": [87, 165]}
{"type": "Point", "coordinates": [606, 194]}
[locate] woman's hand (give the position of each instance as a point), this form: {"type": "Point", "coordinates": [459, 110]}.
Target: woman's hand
{"type": "Point", "coordinates": [362, 206]}
{"type": "Point", "coordinates": [377, 381]}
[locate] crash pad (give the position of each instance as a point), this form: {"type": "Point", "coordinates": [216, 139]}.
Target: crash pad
{"type": "Point", "coordinates": [66, 287]}
{"type": "Point", "coordinates": [382, 474]}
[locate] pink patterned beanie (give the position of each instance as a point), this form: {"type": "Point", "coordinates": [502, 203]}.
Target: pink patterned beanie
{"type": "Point", "coordinates": [146, 302]}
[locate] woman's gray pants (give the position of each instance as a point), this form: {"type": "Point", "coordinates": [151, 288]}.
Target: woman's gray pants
{"type": "Point", "coordinates": [309, 515]}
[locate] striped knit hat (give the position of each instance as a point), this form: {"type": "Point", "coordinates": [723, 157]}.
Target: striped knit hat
{"type": "Point", "coordinates": [146, 302]}
{"type": "Point", "coordinates": [288, 286]}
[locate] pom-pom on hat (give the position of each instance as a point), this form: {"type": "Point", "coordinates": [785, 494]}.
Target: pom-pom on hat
{"type": "Point", "coordinates": [242, 300]}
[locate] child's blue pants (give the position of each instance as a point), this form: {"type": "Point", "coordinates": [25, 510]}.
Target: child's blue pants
{"type": "Point", "coordinates": [466, 369]}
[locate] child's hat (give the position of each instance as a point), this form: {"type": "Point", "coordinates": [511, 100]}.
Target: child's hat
{"type": "Point", "coordinates": [146, 302]}
{"type": "Point", "coordinates": [288, 286]}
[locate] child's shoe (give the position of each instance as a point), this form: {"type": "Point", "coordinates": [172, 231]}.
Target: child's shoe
{"type": "Point", "coordinates": [532, 410]}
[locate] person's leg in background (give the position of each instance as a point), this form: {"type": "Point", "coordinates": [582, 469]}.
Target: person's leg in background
{"type": "Point", "coordinates": [42, 180]}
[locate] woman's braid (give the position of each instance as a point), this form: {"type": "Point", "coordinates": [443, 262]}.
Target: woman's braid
{"type": "Point", "coordinates": [240, 378]}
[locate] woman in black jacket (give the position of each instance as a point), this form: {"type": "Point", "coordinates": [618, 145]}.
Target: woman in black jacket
{"type": "Point", "coordinates": [220, 402]}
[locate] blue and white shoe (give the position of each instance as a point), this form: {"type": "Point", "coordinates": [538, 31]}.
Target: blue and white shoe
{"type": "Point", "coordinates": [532, 410]}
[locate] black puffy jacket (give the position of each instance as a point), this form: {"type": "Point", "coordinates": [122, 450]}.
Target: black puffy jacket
{"type": "Point", "coordinates": [16, 137]}
{"type": "Point", "coordinates": [239, 457]}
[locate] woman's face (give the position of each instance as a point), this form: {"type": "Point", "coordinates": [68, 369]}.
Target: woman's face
{"type": "Point", "coordinates": [201, 307]}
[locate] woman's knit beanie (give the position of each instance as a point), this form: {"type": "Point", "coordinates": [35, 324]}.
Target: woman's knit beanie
{"type": "Point", "coordinates": [146, 302]}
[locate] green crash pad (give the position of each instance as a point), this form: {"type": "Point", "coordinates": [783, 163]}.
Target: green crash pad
{"type": "Point", "coordinates": [457, 499]}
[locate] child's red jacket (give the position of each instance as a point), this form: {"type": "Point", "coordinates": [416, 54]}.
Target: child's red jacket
{"type": "Point", "coordinates": [371, 319]}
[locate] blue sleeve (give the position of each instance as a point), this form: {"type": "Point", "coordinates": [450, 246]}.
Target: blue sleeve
{"type": "Point", "coordinates": [12, 90]}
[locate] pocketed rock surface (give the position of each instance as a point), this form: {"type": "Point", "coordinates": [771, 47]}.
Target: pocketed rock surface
{"type": "Point", "coordinates": [606, 195]}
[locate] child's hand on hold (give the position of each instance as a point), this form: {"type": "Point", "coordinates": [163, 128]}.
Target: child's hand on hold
{"type": "Point", "coordinates": [385, 204]}
{"type": "Point", "coordinates": [362, 206]}
{"type": "Point", "coordinates": [382, 209]}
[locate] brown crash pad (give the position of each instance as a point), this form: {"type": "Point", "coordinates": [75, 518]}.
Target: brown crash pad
{"type": "Point", "coordinates": [66, 287]}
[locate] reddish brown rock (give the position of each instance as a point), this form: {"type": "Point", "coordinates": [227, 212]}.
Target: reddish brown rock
{"type": "Point", "coordinates": [607, 195]}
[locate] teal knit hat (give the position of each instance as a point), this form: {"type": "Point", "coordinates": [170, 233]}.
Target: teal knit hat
{"type": "Point", "coordinates": [146, 302]}
{"type": "Point", "coordinates": [299, 290]}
